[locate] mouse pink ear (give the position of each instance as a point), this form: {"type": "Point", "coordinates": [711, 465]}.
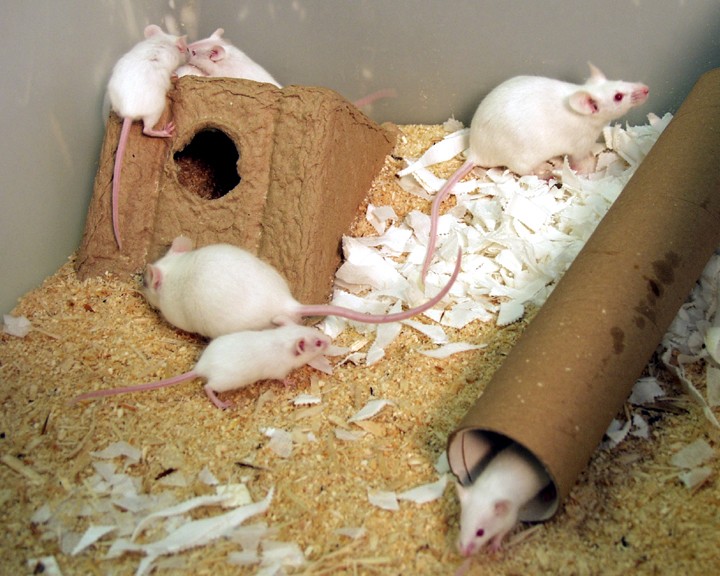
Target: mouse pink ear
{"type": "Point", "coordinates": [596, 75]}
{"type": "Point", "coordinates": [502, 507]}
{"type": "Point", "coordinates": [152, 30]}
{"type": "Point", "coordinates": [300, 346]}
{"type": "Point", "coordinates": [462, 492]}
{"type": "Point", "coordinates": [583, 103]}
{"type": "Point", "coordinates": [217, 53]}
{"type": "Point", "coordinates": [181, 244]}
{"type": "Point", "coordinates": [182, 44]}
{"type": "Point", "coordinates": [217, 34]}
{"type": "Point", "coordinates": [153, 277]}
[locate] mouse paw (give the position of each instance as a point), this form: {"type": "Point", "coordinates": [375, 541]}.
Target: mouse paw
{"type": "Point", "coordinates": [495, 544]}
{"type": "Point", "coordinates": [545, 170]}
{"type": "Point", "coordinates": [166, 132]}
{"type": "Point", "coordinates": [586, 165]}
{"type": "Point", "coordinates": [215, 400]}
{"type": "Point", "coordinates": [288, 382]}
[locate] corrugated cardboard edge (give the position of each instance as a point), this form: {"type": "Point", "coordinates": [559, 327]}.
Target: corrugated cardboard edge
{"type": "Point", "coordinates": [575, 365]}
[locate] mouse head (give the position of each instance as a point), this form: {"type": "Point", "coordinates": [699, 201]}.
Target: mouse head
{"type": "Point", "coordinates": [483, 520]}
{"type": "Point", "coordinates": [206, 58]}
{"type": "Point", "coordinates": [304, 343]}
{"type": "Point", "coordinates": [154, 32]}
{"type": "Point", "coordinates": [206, 54]}
{"type": "Point", "coordinates": [154, 273]}
{"type": "Point", "coordinates": [205, 43]}
{"type": "Point", "coordinates": [607, 99]}
{"type": "Point", "coordinates": [311, 344]}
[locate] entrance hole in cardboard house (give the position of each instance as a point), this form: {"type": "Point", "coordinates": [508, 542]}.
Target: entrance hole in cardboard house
{"type": "Point", "coordinates": [208, 165]}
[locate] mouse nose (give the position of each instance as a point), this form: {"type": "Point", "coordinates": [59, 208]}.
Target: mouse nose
{"type": "Point", "coordinates": [640, 94]}
{"type": "Point", "coordinates": [467, 549]}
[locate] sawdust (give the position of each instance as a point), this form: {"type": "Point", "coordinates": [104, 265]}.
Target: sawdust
{"type": "Point", "coordinates": [628, 512]}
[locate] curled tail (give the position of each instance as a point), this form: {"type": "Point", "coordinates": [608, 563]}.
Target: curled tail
{"type": "Point", "coordinates": [122, 144]}
{"type": "Point", "coordinates": [435, 211]}
{"type": "Point", "coordinates": [137, 388]}
{"type": "Point", "coordinates": [329, 310]}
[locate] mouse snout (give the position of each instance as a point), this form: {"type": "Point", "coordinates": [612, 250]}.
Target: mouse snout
{"type": "Point", "coordinates": [640, 94]}
{"type": "Point", "coordinates": [310, 345]}
{"type": "Point", "coordinates": [466, 549]}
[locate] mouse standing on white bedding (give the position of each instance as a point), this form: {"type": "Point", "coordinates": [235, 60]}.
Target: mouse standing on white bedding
{"type": "Point", "coordinates": [528, 120]}
{"type": "Point", "coordinates": [220, 288]}
{"type": "Point", "coordinates": [237, 360]}
{"type": "Point", "coordinates": [490, 505]}
{"type": "Point", "coordinates": [137, 90]}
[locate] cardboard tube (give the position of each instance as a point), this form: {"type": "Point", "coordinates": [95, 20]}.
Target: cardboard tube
{"type": "Point", "coordinates": [576, 363]}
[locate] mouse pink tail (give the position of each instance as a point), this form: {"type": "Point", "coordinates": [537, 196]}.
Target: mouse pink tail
{"type": "Point", "coordinates": [435, 211]}
{"type": "Point", "coordinates": [137, 388]}
{"type": "Point", "coordinates": [329, 310]}
{"type": "Point", "coordinates": [375, 96]}
{"type": "Point", "coordinates": [127, 122]}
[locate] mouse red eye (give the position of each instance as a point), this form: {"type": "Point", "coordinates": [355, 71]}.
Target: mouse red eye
{"type": "Point", "coordinates": [192, 52]}
{"type": "Point", "coordinates": [619, 97]}
{"type": "Point", "coordinates": [480, 533]}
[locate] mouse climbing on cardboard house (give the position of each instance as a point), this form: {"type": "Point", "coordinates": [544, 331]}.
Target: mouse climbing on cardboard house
{"type": "Point", "coordinates": [137, 90]}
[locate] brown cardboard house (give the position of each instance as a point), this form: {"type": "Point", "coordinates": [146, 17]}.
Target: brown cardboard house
{"type": "Point", "coordinates": [280, 172]}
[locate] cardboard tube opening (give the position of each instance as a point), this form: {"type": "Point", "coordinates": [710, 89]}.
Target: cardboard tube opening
{"type": "Point", "coordinates": [470, 453]}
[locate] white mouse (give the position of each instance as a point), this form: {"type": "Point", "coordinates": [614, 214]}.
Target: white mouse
{"type": "Point", "coordinates": [137, 89]}
{"type": "Point", "coordinates": [528, 120]}
{"type": "Point", "coordinates": [237, 360]}
{"type": "Point", "coordinates": [490, 505]}
{"type": "Point", "coordinates": [215, 56]}
{"type": "Point", "coordinates": [220, 288]}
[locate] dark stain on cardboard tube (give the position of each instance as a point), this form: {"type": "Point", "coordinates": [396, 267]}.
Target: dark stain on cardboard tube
{"type": "Point", "coordinates": [655, 290]}
{"type": "Point", "coordinates": [665, 269]}
{"type": "Point", "coordinates": [618, 337]}
{"type": "Point", "coordinates": [648, 311]}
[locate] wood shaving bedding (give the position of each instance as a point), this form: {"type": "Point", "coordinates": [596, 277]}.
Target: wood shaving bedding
{"type": "Point", "coordinates": [630, 511]}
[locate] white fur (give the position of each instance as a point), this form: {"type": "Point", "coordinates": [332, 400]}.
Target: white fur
{"type": "Point", "coordinates": [219, 289]}
{"type": "Point", "coordinates": [242, 358]}
{"type": "Point", "coordinates": [237, 360]}
{"type": "Point", "coordinates": [216, 290]}
{"type": "Point", "coordinates": [141, 78]}
{"type": "Point", "coordinates": [490, 506]}
{"type": "Point", "coordinates": [137, 90]}
{"type": "Point", "coordinates": [215, 56]}
{"type": "Point", "coordinates": [528, 120]}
